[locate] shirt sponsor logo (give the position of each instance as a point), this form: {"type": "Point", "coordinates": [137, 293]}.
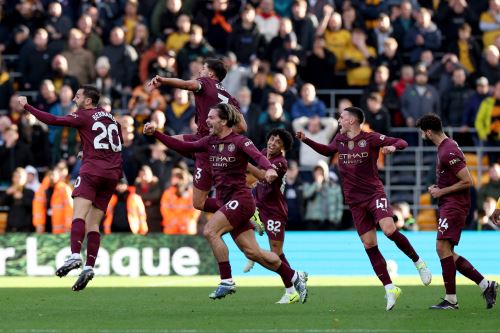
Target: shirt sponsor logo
{"type": "Point", "coordinates": [353, 156]}
{"type": "Point", "coordinates": [231, 147]}
{"type": "Point", "coordinates": [362, 143]}
{"type": "Point", "coordinates": [350, 144]}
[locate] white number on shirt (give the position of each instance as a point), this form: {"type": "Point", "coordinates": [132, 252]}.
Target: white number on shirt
{"type": "Point", "coordinates": [273, 226]}
{"type": "Point", "coordinates": [381, 203]}
{"type": "Point", "coordinates": [223, 98]}
{"type": "Point", "coordinates": [443, 224]}
{"type": "Point", "coordinates": [106, 132]}
{"type": "Point", "coordinates": [233, 204]}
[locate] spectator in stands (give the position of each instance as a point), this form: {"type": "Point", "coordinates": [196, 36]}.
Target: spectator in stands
{"type": "Point", "coordinates": [28, 14]}
{"type": "Point", "coordinates": [454, 101]}
{"type": "Point", "coordinates": [179, 112]}
{"type": "Point", "coordinates": [104, 82]}
{"type": "Point", "coordinates": [450, 16]}
{"type": "Point", "coordinates": [275, 117]}
{"type": "Point", "coordinates": [320, 60]}
{"type": "Point", "coordinates": [404, 218]}
{"type": "Point", "coordinates": [93, 41]}
{"type": "Point", "coordinates": [80, 60]}
{"type": "Point", "coordinates": [237, 75]}
{"type": "Point", "coordinates": [289, 51]}
{"type": "Point", "coordinates": [177, 39]}
{"type": "Point", "coordinates": [304, 24]}
{"type": "Point", "coordinates": [292, 76]}
{"type": "Point", "coordinates": [130, 155]}
{"type": "Point", "coordinates": [130, 20]}
{"type": "Point", "coordinates": [164, 17]}
{"type": "Point", "coordinates": [377, 117]}
{"type": "Point", "coordinates": [294, 197]}
{"type": "Point", "coordinates": [358, 58]}
{"type": "Point", "coordinates": [308, 105]}
{"type": "Point", "coordinates": [141, 39]}
{"type": "Point", "coordinates": [143, 102]}
{"type": "Point", "coordinates": [32, 181]}
{"type": "Point", "coordinates": [404, 22]}
{"type": "Point", "coordinates": [57, 25]}
{"type": "Point", "coordinates": [245, 39]}
{"type": "Point", "coordinates": [440, 73]}
{"type": "Point", "coordinates": [19, 199]}
{"type": "Point", "coordinates": [20, 44]}
{"type": "Point", "coordinates": [383, 87]}
{"type": "Point", "coordinates": [148, 188]}
{"type": "Point", "coordinates": [487, 122]}
{"type": "Point", "coordinates": [13, 153]}
{"type": "Point", "coordinates": [490, 64]}
{"type": "Point", "coordinates": [370, 11]}
{"type": "Point", "coordinates": [147, 58]}
{"type": "Point", "coordinates": [466, 49]}
{"type": "Point", "coordinates": [161, 164]}
{"type": "Point", "coordinates": [52, 204]}
{"type": "Point", "coordinates": [122, 58]}
{"type": "Point", "coordinates": [381, 32]}
{"type": "Point", "coordinates": [59, 74]}
{"type": "Point", "coordinates": [280, 87]}
{"type": "Point", "coordinates": [485, 222]}
{"type": "Point", "coordinates": [472, 106]}
{"type": "Point", "coordinates": [249, 110]}
{"type": "Point", "coordinates": [179, 215]}
{"type": "Point", "coordinates": [6, 87]}
{"type": "Point", "coordinates": [165, 66]}
{"type": "Point", "coordinates": [35, 135]}
{"type": "Point", "coordinates": [34, 64]}
{"type": "Point", "coordinates": [268, 22]}
{"type": "Point", "coordinates": [126, 211]}
{"type": "Point", "coordinates": [423, 35]}
{"type": "Point", "coordinates": [407, 79]}
{"type": "Point", "coordinates": [321, 129]}
{"type": "Point", "coordinates": [419, 98]}
{"type": "Point", "coordinates": [491, 188]}
{"type": "Point", "coordinates": [336, 38]}
{"type": "Point", "coordinates": [285, 28]}
{"type": "Point", "coordinates": [350, 18]}
{"type": "Point", "coordinates": [196, 48]}
{"type": "Point", "coordinates": [488, 23]}
{"type": "Point", "coordinates": [323, 200]}
{"type": "Point", "coordinates": [390, 58]}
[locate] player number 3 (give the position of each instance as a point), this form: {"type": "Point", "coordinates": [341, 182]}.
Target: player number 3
{"type": "Point", "coordinates": [106, 132]}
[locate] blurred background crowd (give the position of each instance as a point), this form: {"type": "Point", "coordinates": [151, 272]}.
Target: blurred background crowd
{"type": "Point", "coordinates": [291, 64]}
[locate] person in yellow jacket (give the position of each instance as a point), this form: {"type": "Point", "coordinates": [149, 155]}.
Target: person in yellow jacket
{"type": "Point", "coordinates": [53, 205]}
{"type": "Point", "coordinates": [126, 211]}
{"type": "Point", "coordinates": [495, 217]}
{"type": "Point", "coordinates": [357, 58]}
{"type": "Point", "coordinates": [179, 215]}
{"type": "Point", "coordinates": [487, 122]}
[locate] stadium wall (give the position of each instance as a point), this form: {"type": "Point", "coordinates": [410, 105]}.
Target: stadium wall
{"type": "Point", "coordinates": [319, 253]}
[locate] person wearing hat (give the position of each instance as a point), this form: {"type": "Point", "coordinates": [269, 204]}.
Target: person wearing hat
{"type": "Point", "coordinates": [364, 192]}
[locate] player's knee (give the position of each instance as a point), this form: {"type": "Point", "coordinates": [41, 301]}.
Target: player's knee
{"type": "Point", "coordinates": [199, 203]}
{"type": "Point", "coordinates": [208, 233]}
{"type": "Point", "coordinates": [369, 244]}
{"type": "Point", "coordinates": [252, 254]}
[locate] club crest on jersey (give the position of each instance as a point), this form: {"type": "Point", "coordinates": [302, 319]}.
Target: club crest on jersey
{"type": "Point", "coordinates": [231, 147]}
{"type": "Point", "coordinates": [362, 143]}
{"type": "Point", "coordinates": [382, 137]}
{"type": "Point", "coordinates": [221, 147]}
{"type": "Point", "coordinates": [350, 144]}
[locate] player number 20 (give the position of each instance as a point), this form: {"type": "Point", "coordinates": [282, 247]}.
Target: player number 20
{"type": "Point", "coordinates": [381, 203]}
{"type": "Point", "coordinates": [273, 226]}
{"type": "Point", "coordinates": [106, 132]}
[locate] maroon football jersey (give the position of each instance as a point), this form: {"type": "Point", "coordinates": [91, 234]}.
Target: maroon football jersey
{"type": "Point", "coordinates": [450, 160]}
{"type": "Point", "coordinates": [100, 135]}
{"type": "Point", "coordinates": [212, 92]}
{"type": "Point", "coordinates": [228, 157]}
{"type": "Point", "coordinates": [269, 197]}
{"type": "Point", "coordinates": [358, 162]}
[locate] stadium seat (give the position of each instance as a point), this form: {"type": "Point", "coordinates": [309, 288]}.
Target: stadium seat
{"type": "Point", "coordinates": [426, 218]}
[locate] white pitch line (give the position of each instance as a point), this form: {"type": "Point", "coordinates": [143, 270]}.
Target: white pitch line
{"type": "Point", "coordinates": [283, 330]}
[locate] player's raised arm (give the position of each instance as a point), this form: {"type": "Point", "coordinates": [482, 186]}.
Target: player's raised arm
{"type": "Point", "coordinates": [70, 120]}
{"type": "Point", "coordinates": [325, 150]}
{"type": "Point", "coordinates": [182, 147]}
{"type": "Point", "coordinates": [270, 173]}
{"type": "Point", "coordinates": [387, 143]}
{"type": "Point", "coordinates": [157, 81]}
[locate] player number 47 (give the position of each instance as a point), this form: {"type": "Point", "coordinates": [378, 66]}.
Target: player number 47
{"type": "Point", "coordinates": [381, 203]}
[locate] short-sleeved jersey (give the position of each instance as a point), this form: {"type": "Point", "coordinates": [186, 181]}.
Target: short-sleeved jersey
{"type": "Point", "coordinates": [100, 135]}
{"type": "Point", "coordinates": [358, 162]}
{"type": "Point", "coordinates": [450, 160]}
{"type": "Point", "coordinates": [228, 158]}
{"type": "Point", "coordinates": [269, 197]}
{"type": "Point", "coordinates": [212, 92]}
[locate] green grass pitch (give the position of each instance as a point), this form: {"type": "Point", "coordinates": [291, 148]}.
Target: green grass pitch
{"type": "Point", "coordinates": [181, 305]}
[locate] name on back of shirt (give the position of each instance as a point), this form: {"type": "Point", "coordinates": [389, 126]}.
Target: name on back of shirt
{"type": "Point", "coordinates": [101, 114]}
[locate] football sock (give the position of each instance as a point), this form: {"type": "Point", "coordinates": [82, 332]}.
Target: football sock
{"type": "Point", "coordinates": [211, 205]}
{"type": "Point", "coordinates": [290, 290]}
{"type": "Point", "coordinates": [93, 242]}
{"type": "Point", "coordinates": [286, 274]}
{"type": "Point", "coordinates": [449, 275]}
{"type": "Point", "coordinates": [484, 284]}
{"type": "Point", "coordinates": [77, 235]}
{"type": "Point", "coordinates": [466, 269]}
{"type": "Point", "coordinates": [389, 287]}
{"type": "Point", "coordinates": [404, 245]}
{"type": "Point", "coordinates": [283, 259]}
{"type": "Point", "coordinates": [225, 270]}
{"type": "Point", "coordinates": [379, 265]}
{"type": "Point", "coordinates": [451, 298]}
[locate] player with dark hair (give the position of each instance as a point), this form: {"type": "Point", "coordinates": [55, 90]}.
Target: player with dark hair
{"type": "Point", "coordinates": [99, 174]}
{"type": "Point", "coordinates": [229, 154]}
{"type": "Point", "coordinates": [271, 202]}
{"type": "Point", "coordinates": [453, 193]}
{"type": "Point", "coordinates": [364, 192]}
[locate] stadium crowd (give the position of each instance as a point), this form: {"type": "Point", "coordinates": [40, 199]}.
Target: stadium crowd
{"type": "Point", "coordinates": [408, 58]}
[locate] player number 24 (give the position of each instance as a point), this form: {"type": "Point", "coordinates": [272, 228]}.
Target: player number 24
{"type": "Point", "coordinates": [106, 132]}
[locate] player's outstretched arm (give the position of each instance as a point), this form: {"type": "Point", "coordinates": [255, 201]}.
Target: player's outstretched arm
{"type": "Point", "coordinates": [182, 147]}
{"type": "Point", "coordinates": [325, 150]}
{"type": "Point", "coordinates": [157, 81]}
{"type": "Point", "coordinates": [48, 118]}
{"type": "Point", "coordinates": [256, 172]}
{"type": "Point", "coordinates": [270, 173]}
